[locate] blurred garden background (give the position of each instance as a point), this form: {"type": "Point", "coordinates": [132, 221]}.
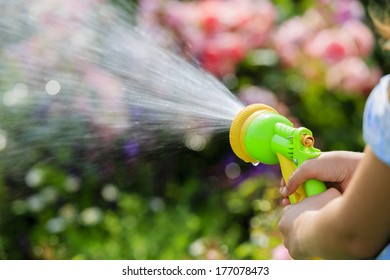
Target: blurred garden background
{"type": "Point", "coordinates": [67, 196]}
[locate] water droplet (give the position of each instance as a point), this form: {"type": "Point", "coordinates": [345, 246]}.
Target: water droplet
{"type": "Point", "coordinates": [255, 163]}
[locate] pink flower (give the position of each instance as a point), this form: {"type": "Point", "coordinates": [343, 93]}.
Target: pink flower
{"type": "Point", "coordinates": [230, 29]}
{"type": "Point", "coordinates": [346, 10]}
{"type": "Point", "coordinates": [331, 45]}
{"type": "Point", "coordinates": [353, 38]}
{"type": "Point", "coordinates": [221, 54]}
{"type": "Point", "coordinates": [218, 33]}
{"type": "Point", "coordinates": [257, 27]}
{"type": "Point", "coordinates": [289, 38]}
{"type": "Point", "coordinates": [361, 35]}
{"type": "Point", "coordinates": [280, 253]}
{"type": "Point", "coordinates": [352, 75]}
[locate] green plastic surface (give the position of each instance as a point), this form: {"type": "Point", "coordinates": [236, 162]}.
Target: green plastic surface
{"type": "Point", "coordinates": [258, 137]}
{"type": "Point", "coordinates": [271, 133]}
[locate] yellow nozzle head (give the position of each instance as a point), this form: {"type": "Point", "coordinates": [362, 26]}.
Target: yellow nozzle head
{"type": "Point", "coordinates": [238, 128]}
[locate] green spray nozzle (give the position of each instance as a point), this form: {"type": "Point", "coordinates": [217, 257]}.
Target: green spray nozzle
{"type": "Point", "coordinates": [260, 134]}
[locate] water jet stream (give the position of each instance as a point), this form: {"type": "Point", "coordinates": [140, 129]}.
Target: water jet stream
{"type": "Point", "coordinates": [79, 73]}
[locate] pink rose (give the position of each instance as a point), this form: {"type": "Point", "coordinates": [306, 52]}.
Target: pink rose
{"type": "Point", "coordinates": [331, 45]}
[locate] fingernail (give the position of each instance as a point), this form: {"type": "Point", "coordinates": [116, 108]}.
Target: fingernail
{"type": "Point", "coordinates": [284, 191]}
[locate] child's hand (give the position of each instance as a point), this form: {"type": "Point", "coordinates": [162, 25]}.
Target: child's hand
{"type": "Point", "coordinates": [291, 217]}
{"type": "Point", "coordinates": [334, 168]}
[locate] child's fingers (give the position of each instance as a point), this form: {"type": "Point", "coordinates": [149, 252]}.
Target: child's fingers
{"type": "Point", "coordinates": [286, 202]}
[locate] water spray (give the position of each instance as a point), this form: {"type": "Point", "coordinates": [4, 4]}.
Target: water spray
{"type": "Point", "coordinates": [259, 134]}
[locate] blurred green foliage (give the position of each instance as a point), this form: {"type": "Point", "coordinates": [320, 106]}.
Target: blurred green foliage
{"type": "Point", "coordinates": [68, 217]}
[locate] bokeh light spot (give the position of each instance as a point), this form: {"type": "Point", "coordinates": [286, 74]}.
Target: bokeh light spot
{"type": "Point", "coordinates": [263, 57]}
{"type": "Point", "coordinates": [260, 239]}
{"type": "Point", "coordinates": [232, 170]}
{"type": "Point", "coordinates": [91, 216]}
{"type": "Point", "coordinates": [16, 95]}
{"type": "Point", "coordinates": [72, 184]}
{"type": "Point", "coordinates": [53, 87]}
{"type": "Point", "coordinates": [49, 195]}
{"type": "Point", "coordinates": [156, 204]}
{"type": "Point", "coordinates": [35, 203]}
{"type": "Point", "coordinates": [34, 177]}
{"type": "Point", "coordinates": [262, 205]}
{"type": "Point", "coordinates": [195, 142]}
{"type": "Point", "coordinates": [255, 222]}
{"type": "Point", "coordinates": [110, 193]}
{"type": "Point", "coordinates": [56, 225]}
{"type": "Point", "coordinates": [197, 248]}
{"type": "Point", "coordinates": [68, 212]}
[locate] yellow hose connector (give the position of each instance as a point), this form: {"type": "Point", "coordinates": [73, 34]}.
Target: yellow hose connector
{"type": "Point", "coordinates": [238, 128]}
